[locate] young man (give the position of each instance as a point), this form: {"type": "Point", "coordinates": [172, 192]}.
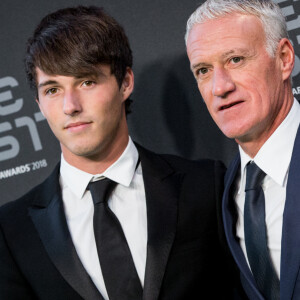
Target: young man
{"type": "Point", "coordinates": [154, 234]}
{"type": "Point", "coordinates": [242, 60]}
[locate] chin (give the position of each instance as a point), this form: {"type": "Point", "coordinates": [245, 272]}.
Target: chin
{"type": "Point", "coordinates": [229, 133]}
{"type": "Point", "coordinates": [84, 151]}
{"type": "Point", "coordinates": [233, 131]}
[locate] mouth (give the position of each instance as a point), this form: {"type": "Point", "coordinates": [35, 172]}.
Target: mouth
{"type": "Point", "coordinates": [77, 125]}
{"type": "Point", "coordinates": [223, 107]}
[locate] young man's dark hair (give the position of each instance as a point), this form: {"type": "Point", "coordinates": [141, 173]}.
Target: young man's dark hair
{"type": "Point", "coordinates": [74, 41]}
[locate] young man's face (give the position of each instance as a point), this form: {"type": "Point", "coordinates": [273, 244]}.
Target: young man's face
{"type": "Point", "coordinates": [242, 86]}
{"type": "Point", "coordinates": [87, 115]}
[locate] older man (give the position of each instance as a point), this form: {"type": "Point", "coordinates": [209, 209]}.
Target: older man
{"type": "Point", "coordinates": [242, 60]}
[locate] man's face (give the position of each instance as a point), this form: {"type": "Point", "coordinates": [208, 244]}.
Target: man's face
{"type": "Point", "coordinates": [242, 86]}
{"type": "Point", "coordinates": [86, 114]}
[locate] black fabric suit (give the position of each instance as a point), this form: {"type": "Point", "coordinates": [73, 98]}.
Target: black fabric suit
{"type": "Point", "coordinates": [184, 259]}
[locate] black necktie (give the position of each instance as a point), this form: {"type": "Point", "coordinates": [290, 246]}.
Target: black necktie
{"type": "Point", "coordinates": [119, 273]}
{"type": "Point", "coordinates": [255, 235]}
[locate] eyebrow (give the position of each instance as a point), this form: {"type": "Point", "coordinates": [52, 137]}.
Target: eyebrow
{"type": "Point", "coordinates": [78, 78]}
{"type": "Point", "coordinates": [238, 51]}
{"type": "Point", "coordinates": [48, 82]}
{"type": "Point", "coordinates": [198, 65]}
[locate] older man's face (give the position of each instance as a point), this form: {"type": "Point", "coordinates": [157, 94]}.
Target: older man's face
{"type": "Point", "coordinates": [242, 86]}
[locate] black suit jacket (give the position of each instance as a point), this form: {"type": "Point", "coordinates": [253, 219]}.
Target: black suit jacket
{"type": "Point", "coordinates": [185, 259]}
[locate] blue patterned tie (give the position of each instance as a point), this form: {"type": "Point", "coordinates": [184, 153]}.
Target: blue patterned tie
{"type": "Point", "coordinates": [255, 235]}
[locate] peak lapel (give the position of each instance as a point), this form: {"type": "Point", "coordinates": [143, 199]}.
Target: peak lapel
{"type": "Point", "coordinates": [48, 216]}
{"type": "Point", "coordinates": [290, 242]}
{"type": "Point", "coordinates": [162, 191]}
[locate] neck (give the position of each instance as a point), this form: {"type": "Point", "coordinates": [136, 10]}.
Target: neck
{"type": "Point", "coordinates": [103, 159]}
{"type": "Point", "coordinates": [251, 144]}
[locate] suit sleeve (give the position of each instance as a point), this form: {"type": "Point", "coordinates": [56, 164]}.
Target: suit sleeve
{"type": "Point", "coordinates": [13, 285]}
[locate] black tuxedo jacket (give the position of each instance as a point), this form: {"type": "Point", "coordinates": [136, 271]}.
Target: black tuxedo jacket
{"type": "Point", "coordinates": [184, 257]}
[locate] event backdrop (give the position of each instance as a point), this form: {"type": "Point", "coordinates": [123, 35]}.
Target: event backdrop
{"type": "Point", "coordinates": [168, 115]}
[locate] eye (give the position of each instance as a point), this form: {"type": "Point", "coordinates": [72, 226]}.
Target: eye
{"type": "Point", "coordinates": [51, 91]}
{"type": "Point", "coordinates": [236, 60]}
{"type": "Point", "coordinates": [88, 83]}
{"type": "Point", "coordinates": [201, 71]}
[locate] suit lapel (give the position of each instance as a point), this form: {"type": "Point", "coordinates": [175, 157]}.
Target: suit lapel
{"type": "Point", "coordinates": [290, 242]}
{"type": "Point", "coordinates": [48, 216]}
{"type": "Point", "coordinates": [229, 219]}
{"type": "Point", "coordinates": [162, 186]}
{"type": "Point", "coordinates": [162, 192]}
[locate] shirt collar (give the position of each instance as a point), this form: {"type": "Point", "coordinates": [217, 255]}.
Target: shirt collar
{"type": "Point", "coordinates": [279, 146]}
{"type": "Point", "coordinates": [121, 171]}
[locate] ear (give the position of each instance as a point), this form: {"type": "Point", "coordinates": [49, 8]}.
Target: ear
{"type": "Point", "coordinates": [287, 57]}
{"type": "Point", "coordinates": [128, 84]}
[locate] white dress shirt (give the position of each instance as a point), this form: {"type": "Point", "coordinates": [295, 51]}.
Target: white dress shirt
{"type": "Point", "coordinates": [127, 201]}
{"type": "Point", "coordinates": [274, 159]}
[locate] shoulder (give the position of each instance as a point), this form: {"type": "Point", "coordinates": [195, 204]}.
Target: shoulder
{"type": "Point", "coordinates": [180, 164]}
{"type": "Point", "coordinates": [14, 218]}
{"type": "Point", "coordinates": [18, 208]}
{"type": "Point", "coordinates": [196, 172]}
{"type": "Point", "coordinates": [188, 166]}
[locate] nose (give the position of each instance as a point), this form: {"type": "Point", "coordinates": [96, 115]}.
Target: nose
{"type": "Point", "coordinates": [222, 83]}
{"type": "Point", "coordinates": [72, 104]}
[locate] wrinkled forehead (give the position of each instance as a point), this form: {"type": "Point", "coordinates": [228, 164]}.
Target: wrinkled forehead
{"type": "Point", "coordinates": [234, 28]}
{"type": "Point", "coordinates": [232, 22]}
